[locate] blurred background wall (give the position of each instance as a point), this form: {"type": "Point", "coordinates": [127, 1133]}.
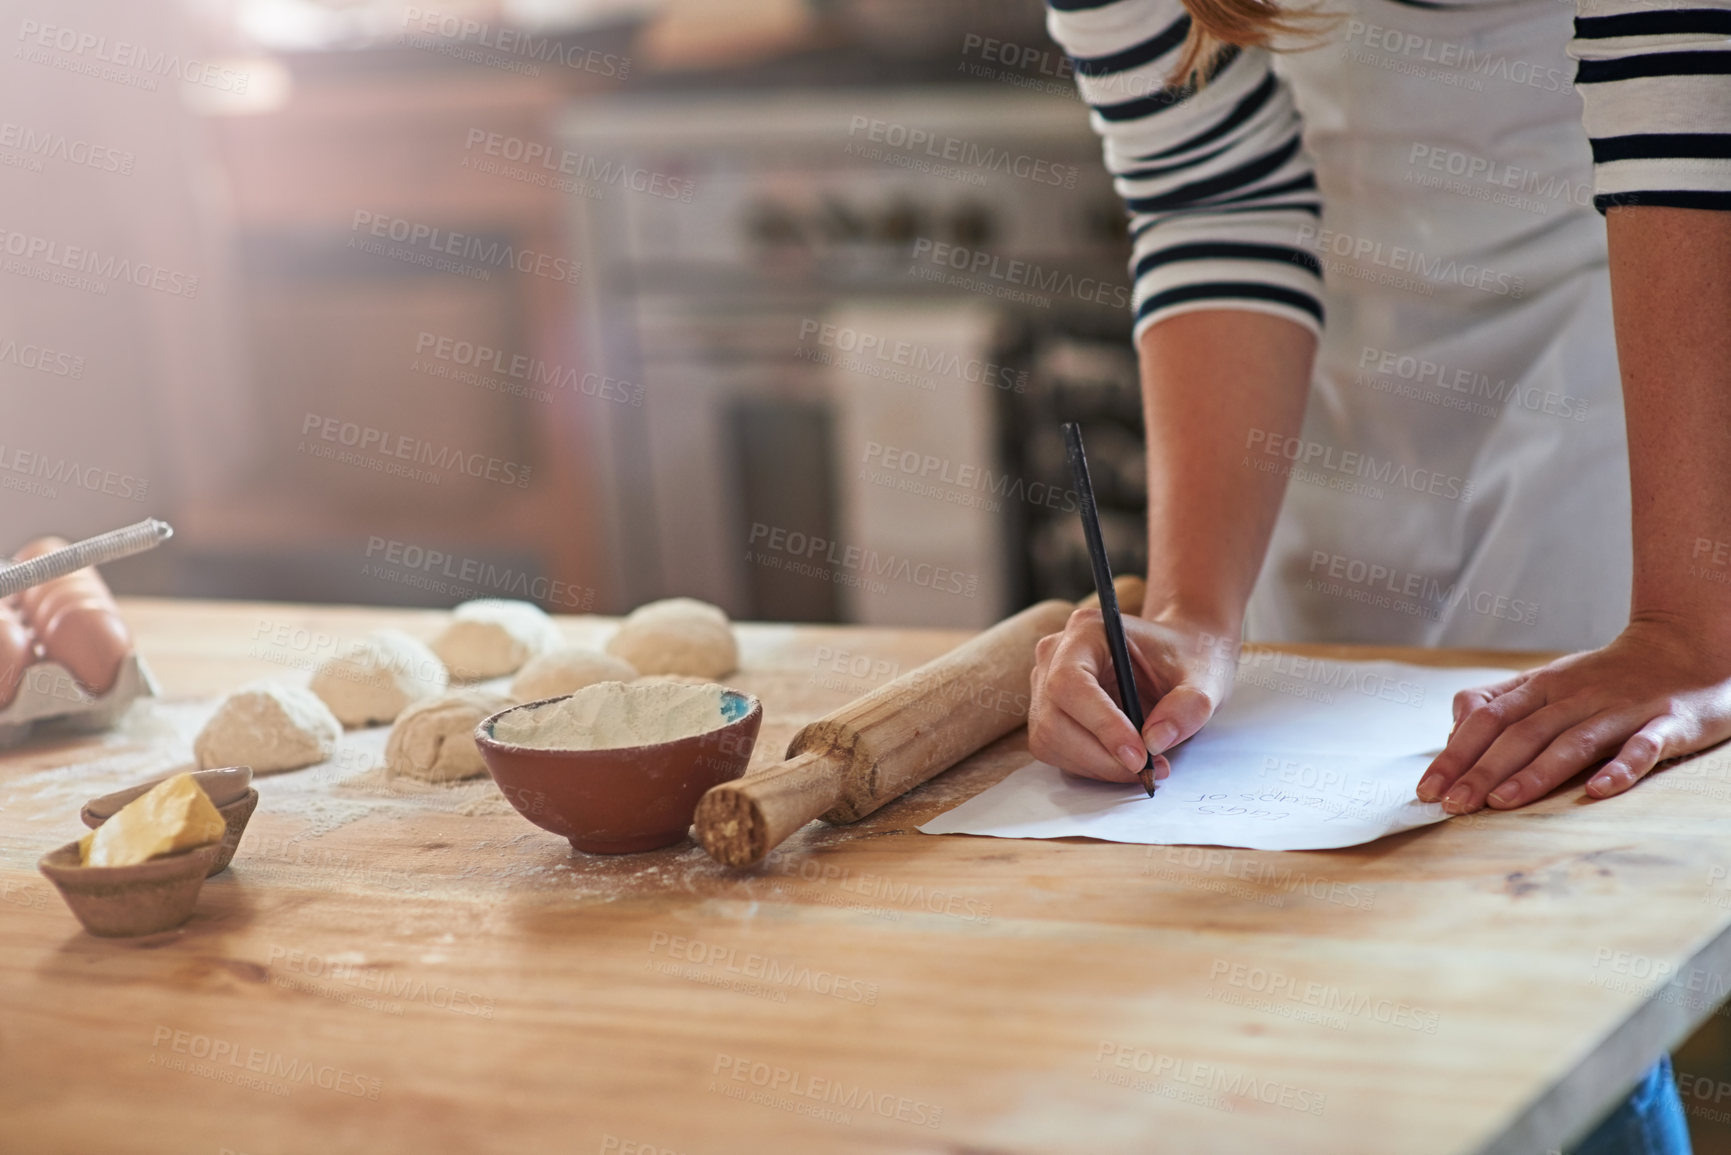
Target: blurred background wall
{"type": "Point", "coordinates": [774, 303]}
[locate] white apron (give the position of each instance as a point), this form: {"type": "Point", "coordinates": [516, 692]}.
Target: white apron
{"type": "Point", "coordinates": [1462, 479]}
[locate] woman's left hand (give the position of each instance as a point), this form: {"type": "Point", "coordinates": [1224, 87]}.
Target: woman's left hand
{"type": "Point", "coordinates": [1660, 690]}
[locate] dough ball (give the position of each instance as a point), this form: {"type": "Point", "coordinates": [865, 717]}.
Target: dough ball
{"type": "Point", "coordinates": [566, 670]}
{"type": "Point", "coordinates": [677, 636]}
{"type": "Point", "coordinates": [677, 609]}
{"type": "Point", "coordinates": [374, 679]}
{"type": "Point", "coordinates": [674, 680]}
{"type": "Point", "coordinates": [491, 636]}
{"type": "Point", "coordinates": [268, 726]}
{"type": "Point", "coordinates": [434, 740]}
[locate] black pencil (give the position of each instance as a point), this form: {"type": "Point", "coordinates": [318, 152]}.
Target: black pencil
{"type": "Point", "coordinates": [1108, 596]}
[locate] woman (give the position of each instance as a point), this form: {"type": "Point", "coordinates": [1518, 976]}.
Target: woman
{"type": "Point", "coordinates": [1466, 470]}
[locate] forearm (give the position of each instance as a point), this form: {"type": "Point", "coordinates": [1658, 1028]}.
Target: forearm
{"type": "Point", "coordinates": [1671, 286]}
{"type": "Point", "coordinates": [1214, 382]}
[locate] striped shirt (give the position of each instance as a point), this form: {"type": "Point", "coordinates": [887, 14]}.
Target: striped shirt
{"type": "Point", "coordinates": [1218, 182]}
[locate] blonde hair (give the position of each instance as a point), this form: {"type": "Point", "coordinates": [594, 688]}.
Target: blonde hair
{"type": "Point", "coordinates": [1216, 25]}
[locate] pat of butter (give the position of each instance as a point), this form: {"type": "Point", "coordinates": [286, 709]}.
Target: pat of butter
{"type": "Point", "coordinates": [175, 814]}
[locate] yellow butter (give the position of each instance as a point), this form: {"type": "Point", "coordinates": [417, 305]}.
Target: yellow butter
{"type": "Point", "coordinates": [175, 814]}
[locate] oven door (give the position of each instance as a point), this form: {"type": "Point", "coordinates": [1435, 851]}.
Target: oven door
{"type": "Point", "coordinates": [818, 464]}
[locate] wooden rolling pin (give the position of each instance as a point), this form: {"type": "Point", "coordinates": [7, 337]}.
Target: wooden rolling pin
{"type": "Point", "coordinates": [879, 747]}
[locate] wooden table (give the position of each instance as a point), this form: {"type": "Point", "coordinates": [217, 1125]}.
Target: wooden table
{"type": "Point", "coordinates": [424, 979]}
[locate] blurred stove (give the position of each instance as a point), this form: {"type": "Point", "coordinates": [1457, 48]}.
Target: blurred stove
{"type": "Point", "coordinates": [818, 297]}
{"type": "Point", "coordinates": [1083, 371]}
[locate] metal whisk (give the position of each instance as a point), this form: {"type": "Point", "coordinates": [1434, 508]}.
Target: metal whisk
{"type": "Point", "coordinates": [104, 547]}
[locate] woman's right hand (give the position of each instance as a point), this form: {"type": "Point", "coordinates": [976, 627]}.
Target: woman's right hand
{"type": "Point", "coordinates": [1075, 721]}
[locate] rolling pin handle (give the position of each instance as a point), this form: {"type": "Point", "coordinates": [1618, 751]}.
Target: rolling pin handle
{"type": "Point", "coordinates": [739, 823]}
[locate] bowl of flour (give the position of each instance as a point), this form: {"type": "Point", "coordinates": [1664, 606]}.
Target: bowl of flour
{"type": "Point", "coordinates": [618, 767]}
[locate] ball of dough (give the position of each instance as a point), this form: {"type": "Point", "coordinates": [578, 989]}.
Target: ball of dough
{"type": "Point", "coordinates": [677, 636]}
{"type": "Point", "coordinates": [491, 636]}
{"type": "Point", "coordinates": [374, 679]}
{"type": "Point", "coordinates": [434, 740]}
{"type": "Point", "coordinates": [270, 727]}
{"type": "Point", "coordinates": [677, 609]}
{"type": "Point", "coordinates": [566, 670]}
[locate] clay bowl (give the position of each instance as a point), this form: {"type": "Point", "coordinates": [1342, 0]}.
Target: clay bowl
{"type": "Point", "coordinates": [120, 901]}
{"type": "Point", "coordinates": [229, 790]}
{"type": "Point", "coordinates": [626, 799]}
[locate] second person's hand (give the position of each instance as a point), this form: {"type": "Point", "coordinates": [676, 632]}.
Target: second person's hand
{"type": "Point", "coordinates": [1075, 721]}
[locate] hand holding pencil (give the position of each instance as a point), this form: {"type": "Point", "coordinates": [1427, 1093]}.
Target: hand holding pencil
{"type": "Point", "coordinates": [1178, 671]}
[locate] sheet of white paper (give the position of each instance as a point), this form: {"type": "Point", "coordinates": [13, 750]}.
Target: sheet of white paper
{"type": "Point", "coordinates": [1307, 755]}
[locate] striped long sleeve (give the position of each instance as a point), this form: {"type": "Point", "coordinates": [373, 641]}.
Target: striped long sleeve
{"type": "Point", "coordinates": [1217, 181]}
{"type": "Point", "coordinates": [1656, 85]}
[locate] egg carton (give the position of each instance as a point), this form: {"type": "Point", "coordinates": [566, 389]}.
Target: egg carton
{"type": "Point", "coordinates": [50, 699]}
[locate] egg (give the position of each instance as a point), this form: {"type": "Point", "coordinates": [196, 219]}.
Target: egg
{"type": "Point", "coordinates": [69, 590]}
{"type": "Point", "coordinates": [38, 600]}
{"type": "Point", "coordinates": [35, 549]}
{"type": "Point", "coordinates": [40, 546]}
{"type": "Point", "coordinates": [91, 641]}
{"type": "Point", "coordinates": [17, 651]}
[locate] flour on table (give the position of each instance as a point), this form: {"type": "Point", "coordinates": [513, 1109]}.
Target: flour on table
{"type": "Point", "coordinates": [357, 783]}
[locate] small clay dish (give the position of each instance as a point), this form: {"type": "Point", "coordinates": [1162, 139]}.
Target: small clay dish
{"type": "Point", "coordinates": [228, 788]}
{"type": "Point", "coordinates": [629, 798]}
{"type": "Point", "coordinates": [122, 901]}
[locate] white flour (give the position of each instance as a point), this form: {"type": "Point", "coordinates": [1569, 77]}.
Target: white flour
{"type": "Point", "coordinates": [609, 715]}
